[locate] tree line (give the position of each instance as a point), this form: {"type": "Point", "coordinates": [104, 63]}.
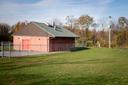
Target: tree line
{"type": "Point", "coordinates": [7, 31]}
{"type": "Point", "coordinates": [99, 38]}
{"type": "Point", "coordinates": [81, 26]}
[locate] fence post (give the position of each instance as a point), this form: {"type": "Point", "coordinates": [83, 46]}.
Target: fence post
{"type": "Point", "coordinates": [2, 49]}
{"type": "Point", "coordinates": [9, 49]}
{"type": "Point", "coordinates": [19, 49]}
{"type": "Point", "coordinates": [1, 46]}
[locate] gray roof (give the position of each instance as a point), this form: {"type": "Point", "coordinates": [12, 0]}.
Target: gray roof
{"type": "Point", "coordinates": [57, 32]}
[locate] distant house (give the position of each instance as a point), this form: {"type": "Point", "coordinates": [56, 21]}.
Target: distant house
{"type": "Point", "coordinates": [41, 37]}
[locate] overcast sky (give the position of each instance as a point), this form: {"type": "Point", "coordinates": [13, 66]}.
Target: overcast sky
{"type": "Point", "coordinates": [12, 11]}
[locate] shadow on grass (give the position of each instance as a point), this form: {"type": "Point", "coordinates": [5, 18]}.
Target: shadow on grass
{"type": "Point", "coordinates": [37, 79]}
{"type": "Point", "coordinates": [14, 66]}
{"type": "Point", "coordinates": [19, 79]}
{"type": "Point", "coordinates": [78, 49]}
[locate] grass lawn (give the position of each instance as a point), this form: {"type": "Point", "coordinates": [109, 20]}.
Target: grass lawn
{"type": "Point", "coordinates": [95, 66]}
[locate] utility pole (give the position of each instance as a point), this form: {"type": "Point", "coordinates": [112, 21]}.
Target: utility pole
{"type": "Point", "coordinates": [110, 25]}
{"type": "Point", "coordinates": [109, 38]}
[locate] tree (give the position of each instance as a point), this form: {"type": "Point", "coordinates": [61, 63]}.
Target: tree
{"type": "Point", "coordinates": [122, 38]}
{"type": "Point", "coordinates": [94, 25]}
{"type": "Point", "coordinates": [94, 37]}
{"type": "Point", "coordinates": [4, 32]}
{"type": "Point", "coordinates": [18, 26]}
{"type": "Point", "coordinates": [123, 22]}
{"type": "Point", "coordinates": [87, 37]}
{"type": "Point", "coordinates": [85, 21]}
{"type": "Point", "coordinates": [70, 21]}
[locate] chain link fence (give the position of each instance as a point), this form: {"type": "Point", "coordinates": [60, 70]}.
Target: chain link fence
{"type": "Point", "coordinates": [8, 49]}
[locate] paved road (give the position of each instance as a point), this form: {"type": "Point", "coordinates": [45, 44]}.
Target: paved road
{"type": "Point", "coordinates": [20, 53]}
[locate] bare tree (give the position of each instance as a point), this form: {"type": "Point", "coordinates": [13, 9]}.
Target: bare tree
{"type": "Point", "coordinates": [70, 20]}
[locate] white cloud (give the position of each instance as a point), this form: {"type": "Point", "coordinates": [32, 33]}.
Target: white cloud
{"type": "Point", "coordinates": [48, 9]}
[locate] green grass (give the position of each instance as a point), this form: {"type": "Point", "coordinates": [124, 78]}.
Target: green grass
{"type": "Point", "coordinates": [95, 66]}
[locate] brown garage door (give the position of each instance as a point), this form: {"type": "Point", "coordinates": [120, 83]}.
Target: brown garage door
{"type": "Point", "coordinates": [25, 44]}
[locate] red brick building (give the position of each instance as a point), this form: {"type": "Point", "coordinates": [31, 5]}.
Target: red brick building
{"type": "Point", "coordinates": [41, 37]}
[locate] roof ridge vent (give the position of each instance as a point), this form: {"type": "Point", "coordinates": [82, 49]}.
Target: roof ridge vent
{"type": "Point", "coordinates": [54, 25]}
{"type": "Point", "coordinates": [49, 25]}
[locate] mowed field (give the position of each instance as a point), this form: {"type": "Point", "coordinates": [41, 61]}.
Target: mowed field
{"type": "Point", "coordinates": [94, 66]}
